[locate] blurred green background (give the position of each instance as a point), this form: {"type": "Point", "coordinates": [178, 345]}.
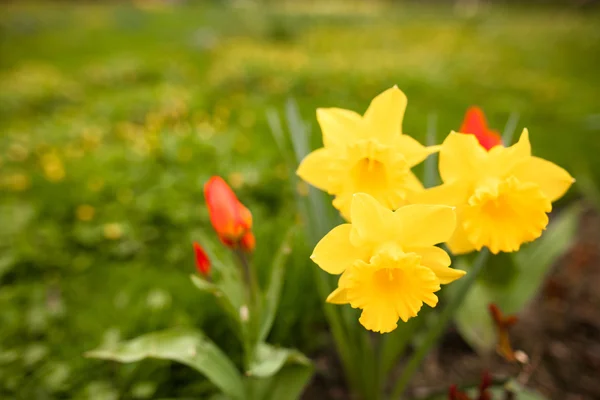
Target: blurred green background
{"type": "Point", "coordinates": [113, 115]}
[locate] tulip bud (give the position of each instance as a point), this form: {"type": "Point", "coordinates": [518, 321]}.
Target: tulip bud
{"type": "Point", "coordinates": [475, 124]}
{"type": "Point", "coordinates": [228, 216]}
{"type": "Point", "coordinates": [202, 260]}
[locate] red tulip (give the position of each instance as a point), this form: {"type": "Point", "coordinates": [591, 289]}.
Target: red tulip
{"type": "Point", "coordinates": [228, 216]}
{"type": "Point", "coordinates": [475, 124]}
{"type": "Point", "coordinates": [202, 260]}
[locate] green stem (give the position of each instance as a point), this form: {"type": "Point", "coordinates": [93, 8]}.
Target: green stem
{"type": "Point", "coordinates": [394, 344]}
{"type": "Point", "coordinates": [337, 329]}
{"type": "Point", "coordinates": [439, 328]}
{"type": "Point", "coordinates": [253, 303]}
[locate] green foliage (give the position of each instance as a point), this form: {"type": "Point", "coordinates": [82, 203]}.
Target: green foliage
{"type": "Point", "coordinates": [512, 280]}
{"type": "Point", "coordinates": [286, 372]}
{"type": "Point", "coordinates": [189, 347]}
{"type": "Point", "coordinates": [272, 294]}
{"type": "Point", "coordinates": [138, 107]}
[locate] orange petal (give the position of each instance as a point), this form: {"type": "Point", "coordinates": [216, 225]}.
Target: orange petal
{"type": "Point", "coordinates": [229, 218]}
{"type": "Point", "coordinates": [475, 124]}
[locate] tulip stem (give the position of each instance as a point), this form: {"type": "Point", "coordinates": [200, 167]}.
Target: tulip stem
{"type": "Point", "coordinates": [253, 307]}
{"type": "Point", "coordinates": [249, 277]}
{"type": "Point", "coordinates": [439, 327]}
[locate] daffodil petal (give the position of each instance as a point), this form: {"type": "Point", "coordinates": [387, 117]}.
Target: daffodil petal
{"type": "Point", "coordinates": [339, 126]}
{"type": "Point", "coordinates": [450, 194]}
{"type": "Point", "coordinates": [338, 296]}
{"type": "Point", "coordinates": [459, 243]}
{"type": "Point", "coordinates": [371, 222]}
{"type": "Point", "coordinates": [343, 202]}
{"type": "Point", "coordinates": [523, 147]}
{"type": "Point", "coordinates": [502, 160]}
{"type": "Point", "coordinates": [412, 184]}
{"type": "Point", "coordinates": [315, 169]}
{"type": "Point", "coordinates": [424, 225]}
{"type": "Point", "coordinates": [461, 157]}
{"type": "Point", "coordinates": [334, 253]}
{"type": "Point", "coordinates": [438, 261]}
{"type": "Point", "coordinates": [385, 114]}
{"type": "Point", "coordinates": [382, 318]}
{"type": "Point", "coordinates": [413, 151]}
{"type": "Point", "coordinates": [553, 180]}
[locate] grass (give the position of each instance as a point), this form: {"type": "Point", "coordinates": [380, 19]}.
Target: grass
{"type": "Point", "coordinates": [112, 116]}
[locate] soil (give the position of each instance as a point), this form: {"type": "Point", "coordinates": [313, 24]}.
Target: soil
{"type": "Point", "coordinates": [559, 332]}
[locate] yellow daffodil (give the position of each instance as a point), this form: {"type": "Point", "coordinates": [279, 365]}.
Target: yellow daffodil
{"type": "Point", "coordinates": [388, 260]}
{"type": "Point", "coordinates": [502, 196]}
{"type": "Point", "coordinates": [366, 154]}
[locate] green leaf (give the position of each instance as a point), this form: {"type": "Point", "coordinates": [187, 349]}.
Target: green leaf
{"type": "Point", "coordinates": [273, 291]}
{"type": "Point", "coordinates": [204, 285]}
{"type": "Point", "coordinates": [268, 360]}
{"type": "Point", "coordinates": [473, 320]}
{"type": "Point", "coordinates": [532, 264]}
{"type": "Point", "coordinates": [536, 259]}
{"type": "Point", "coordinates": [289, 383]}
{"type": "Point", "coordinates": [278, 373]}
{"type": "Point", "coordinates": [394, 344]}
{"type": "Point", "coordinates": [224, 300]}
{"type": "Point", "coordinates": [186, 346]}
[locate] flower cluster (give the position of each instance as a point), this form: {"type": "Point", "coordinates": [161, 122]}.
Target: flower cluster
{"type": "Point", "coordinates": [491, 196]}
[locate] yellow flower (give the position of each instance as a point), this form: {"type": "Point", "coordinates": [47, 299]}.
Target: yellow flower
{"type": "Point", "coordinates": [366, 154]}
{"type": "Point", "coordinates": [53, 167]}
{"type": "Point", "coordinates": [502, 196]}
{"type": "Point", "coordinates": [388, 260]}
{"type": "Point", "coordinates": [85, 212]}
{"type": "Point", "coordinates": [113, 231]}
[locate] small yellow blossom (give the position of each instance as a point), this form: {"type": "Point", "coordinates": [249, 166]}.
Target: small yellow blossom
{"type": "Point", "coordinates": [502, 196]}
{"type": "Point", "coordinates": [17, 182]}
{"type": "Point", "coordinates": [53, 167]}
{"type": "Point", "coordinates": [366, 154]}
{"type": "Point", "coordinates": [389, 263]}
{"type": "Point", "coordinates": [236, 180]}
{"type": "Point", "coordinates": [85, 212]}
{"type": "Point", "coordinates": [113, 231]}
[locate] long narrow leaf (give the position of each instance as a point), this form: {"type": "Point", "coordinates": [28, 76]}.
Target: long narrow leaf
{"type": "Point", "coordinates": [186, 346]}
{"type": "Point", "coordinates": [273, 291]}
{"type": "Point", "coordinates": [510, 128]}
{"type": "Point", "coordinates": [430, 177]}
{"type": "Point", "coordinates": [282, 373]}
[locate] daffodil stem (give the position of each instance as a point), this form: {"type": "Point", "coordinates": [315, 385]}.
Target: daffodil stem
{"type": "Point", "coordinates": [439, 327]}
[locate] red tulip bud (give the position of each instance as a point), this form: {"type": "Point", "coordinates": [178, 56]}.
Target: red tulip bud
{"type": "Point", "coordinates": [475, 124]}
{"type": "Point", "coordinates": [202, 260]}
{"type": "Point", "coordinates": [228, 216]}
